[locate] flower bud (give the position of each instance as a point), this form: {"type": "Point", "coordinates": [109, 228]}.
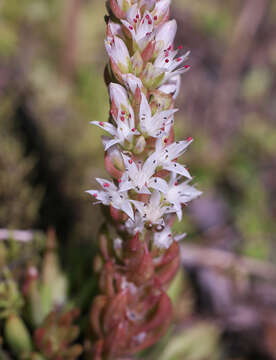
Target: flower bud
{"type": "Point", "coordinates": [137, 63]}
{"type": "Point", "coordinates": [17, 336]}
{"type": "Point", "coordinates": [140, 145]}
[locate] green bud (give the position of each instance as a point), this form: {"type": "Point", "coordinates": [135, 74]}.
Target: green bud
{"type": "Point", "coordinates": [17, 336]}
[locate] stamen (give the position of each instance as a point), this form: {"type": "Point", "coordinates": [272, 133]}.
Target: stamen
{"type": "Point", "coordinates": [106, 185]}
{"type": "Point", "coordinates": [179, 59]}
{"type": "Point", "coordinates": [167, 60]}
{"type": "Point", "coordinates": [133, 130]}
{"type": "Point", "coordinates": [122, 118]}
{"type": "Point", "coordinates": [101, 123]}
{"type": "Point", "coordinates": [187, 66]}
{"type": "Point", "coordinates": [130, 161]}
{"type": "Point", "coordinates": [95, 196]}
{"type": "Point", "coordinates": [180, 47]}
{"type": "Point", "coordinates": [130, 27]}
{"type": "Point", "coordinates": [189, 138]}
{"type": "Point", "coordinates": [155, 18]}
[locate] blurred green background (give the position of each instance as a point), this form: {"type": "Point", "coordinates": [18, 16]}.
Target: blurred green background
{"type": "Point", "coordinates": [52, 60]}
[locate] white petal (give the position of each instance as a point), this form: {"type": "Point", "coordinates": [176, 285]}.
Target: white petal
{"type": "Point", "coordinates": [166, 33]}
{"type": "Point", "coordinates": [158, 184]}
{"type": "Point", "coordinates": [127, 208]}
{"type": "Point", "coordinates": [132, 82]}
{"type": "Point", "coordinates": [119, 95]}
{"type": "Point", "coordinates": [177, 168]}
{"type": "Point", "coordinates": [105, 126]}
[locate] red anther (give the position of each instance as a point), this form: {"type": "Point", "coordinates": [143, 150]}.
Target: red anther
{"type": "Point", "coordinates": [180, 47]}
{"type": "Point", "coordinates": [147, 17]}
{"type": "Point", "coordinates": [149, 22]}
{"type": "Point", "coordinates": [163, 129]}
{"type": "Point", "coordinates": [106, 185]}
{"type": "Point", "coordinates": [187, 66]}
{"type": "Point", "coordinates": [170, 235]}
{"type": "Point", "coordinates": [123, 112]}
{"type": "Point", "coordinates": [179, 59]}
{"type": "Point", "coordinates": [155, 18]}
{"type": "Point", "coordinates": [169, 48]}
{"type": "Point", "coordinates": [129, 115]}
{"type": "Point", "coordinates": [95, 196]}
{"type": "Point", "coordinates": [122, 118]}
{"type": "Point", "coordinates": [189, 138]}
{"type": "Point", "coordinates": [135, 20]}
{"type": "Point", "coordinates": [133, 130]}
{"type": "Point", "coordinates": [176, 183]}
{"type": "Point", "coordinates": [167, 60]}
{"type": "Point", "coordinates": [166, 140]}
{"type": "Point", "coordinates": [130, 161]}
{"type": "Point", "coordinates": [101, 123]}
{"type": "Point", "coordinates": [130, 27]}
{"type": "Point", "coordinates": [119, 181]}
{"type": "Point", "coordinates": [137, 16]}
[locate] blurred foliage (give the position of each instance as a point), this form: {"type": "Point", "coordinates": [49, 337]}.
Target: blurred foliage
{"type": "Point", "coordinates": [52, 60]}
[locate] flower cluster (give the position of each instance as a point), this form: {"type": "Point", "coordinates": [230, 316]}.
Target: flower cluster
{"type": "Point", "coordinates": [147, 67]}
{"type": "Point", "coordinates": [149, 186]}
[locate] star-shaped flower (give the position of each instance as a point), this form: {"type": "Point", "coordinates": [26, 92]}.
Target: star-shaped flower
{"type": "Point", "coordinates": [180, 193]}
{"type": "Point", "coordinates": [123, 118]}
{"type": "Point", "coordinates": [157, 125]}
{"type": "Point", "coordinates": [141, 28]}
{"type": "Point", "coordinates": [154, 210]}
{"type": "Point", "coordinates": [165, 238]}
{"type": "Point", "coordinates": [140, 177]}
{"type": "Point", "coordinates": [110, 195]}
{"type": "Point", "coordinates": [166, 156]}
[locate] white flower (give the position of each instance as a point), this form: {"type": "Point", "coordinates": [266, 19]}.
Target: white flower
{"type": "Point", "coordinates": [165, 35]}
{"type": "Point", "coordinates": [154, 210]}
{"type": "Point", "coordinates": [119, 96]}
{"type": "Point", "coordinates": [171, 86]}
{"type": "Point", "coordinates": [118, 52]}
{"type": "Point", "coordinates": [123, 117]}
{"type": "Point", "coordinates": [165, 156]}
{"type": "Point", "coordinates": [136, 225]}
{"type": "Point", "coordinates": [164, 239]}
{"type": "Point", "coordinates": [141, 29]}
{"type": "Point", "coordinates": [157, 125]}
{"type": "Point", "coordinates": [110, 195]}
{"type": "Point", "coordinates": [169, 62]}
{"type": "Point", "coordinates": [180, 193]}
{"type": "Point", "coordinates": [140, 178]}
{"type": "Point", "coordinates": [161, 9]}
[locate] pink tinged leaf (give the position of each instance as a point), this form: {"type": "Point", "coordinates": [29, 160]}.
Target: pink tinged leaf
{"type": "Point", "coordinates": [148, 52]}
{"type": "Point", "coordinates": [97, 309]}
{"type": "Point", "coordinates": [116, 9]}
{"type": "Point", "coordinates": [110, 167]}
